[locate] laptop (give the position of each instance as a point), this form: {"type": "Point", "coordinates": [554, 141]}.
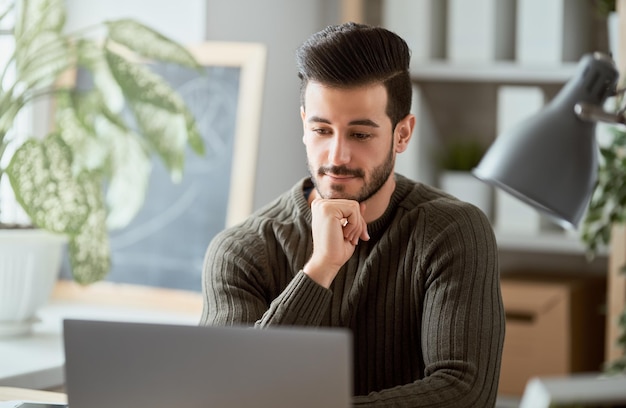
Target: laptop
{"type": "Point", "coordinates": [153, 365]}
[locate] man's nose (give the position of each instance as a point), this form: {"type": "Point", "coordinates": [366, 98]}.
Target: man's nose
{"type": "Point", "coordinates": [339, 152]}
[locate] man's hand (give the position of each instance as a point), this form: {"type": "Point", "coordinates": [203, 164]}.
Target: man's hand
{"type": "Point", "coordinates": [337, 227]}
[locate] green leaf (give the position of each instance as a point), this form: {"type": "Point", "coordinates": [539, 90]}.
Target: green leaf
{"type": "Point", "coordinates": [130, 175]}
{"type": "Point", "coordinates": [9, 6]}
{"type": "Point", "coordinates": [462, 155]}
{"type": "Point", "coordinates": [37, 16]}
{"type": "Point", "coordinates": [89, 250]}
{"type": "Point", "coordinates": [146, 42]}
{"type": "Point", "coordinates": [92, 57]}
{"type": "Point", "coordinates": [40, 173]}
{"type": "Point", "coordinates": [90, 152]}
{"type": "Point", "coordinates": [167, 134]}
{"type": "Point", "coordinates": [150, 94]}
{"type": "Point", "coordinates": [195, 138]}
{"type": "Point", "coordinates": [139, 84]}
{"type": "Point", "coordinates": [10, 109]}
{"type": "Point", "coordinates": [43, 60]}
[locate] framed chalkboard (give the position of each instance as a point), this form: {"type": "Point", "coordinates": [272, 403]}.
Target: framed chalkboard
{"type": "Point", "coordinates": [165, 243]}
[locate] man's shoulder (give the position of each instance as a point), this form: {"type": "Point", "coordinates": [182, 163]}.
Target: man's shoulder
{"type": "Point", "coordinates": [287, 207]}
{"type": "Point", "coordinates": [416, 195]}
{"type": "Point", "coordinates": [436, 203]}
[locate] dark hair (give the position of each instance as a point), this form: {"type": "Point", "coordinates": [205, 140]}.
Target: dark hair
{"type": "Point", "coordinates": [351, 54]}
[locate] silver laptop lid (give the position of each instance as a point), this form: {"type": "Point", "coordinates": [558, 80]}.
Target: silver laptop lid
{"type": "Point", "coordinates": [147, 365]}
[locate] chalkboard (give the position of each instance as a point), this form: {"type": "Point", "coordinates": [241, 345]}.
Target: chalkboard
{"type": "Point", "coordinates": [164, 245]}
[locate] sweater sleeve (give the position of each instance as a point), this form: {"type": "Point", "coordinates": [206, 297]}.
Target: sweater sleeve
{"type": "Point", "coordinates": [241, 287]}
{"type": "Point", "coordinates": [462, 316]}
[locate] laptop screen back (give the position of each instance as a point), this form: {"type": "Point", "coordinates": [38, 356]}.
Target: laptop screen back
{"type": "Point", "coordinates": [130, 365]}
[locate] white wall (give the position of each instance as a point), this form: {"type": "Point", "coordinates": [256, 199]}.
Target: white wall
{"type": "Point", "coordinates": [182, 21]}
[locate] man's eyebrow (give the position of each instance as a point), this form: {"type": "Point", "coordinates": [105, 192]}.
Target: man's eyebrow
{"type": "Point", "coordinates": [318, 119]}
{"type": "Point", "coordinates": [356, 122]}
{"type": "Point", "coordinates": [364, 122]}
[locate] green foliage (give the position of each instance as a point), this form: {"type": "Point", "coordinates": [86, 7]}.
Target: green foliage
{"type": "Point", "coordinates": [462, 155]}
{"type": "Point", "coordinates": [91, 173]}
{"type": "Point", "coordinates": [608, 202]}
{"type": "Point", "coordinates": [606, 209]}
{"type": "Point", "coordinates": [604, 7]}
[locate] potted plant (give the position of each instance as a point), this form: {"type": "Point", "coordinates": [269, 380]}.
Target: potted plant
{"type": "Point", "coordinates": [90, 173]}
{"type": "Point", "coordinates": [606, 9]}
{"type": "Point", "coordinates": [458, 158]}
{"type": "Point", "coordinates": [607, 209]}
{"type": "Point", "coordinates": [608, 203]}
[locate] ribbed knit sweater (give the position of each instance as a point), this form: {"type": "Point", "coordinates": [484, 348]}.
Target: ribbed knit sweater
{"type": "Point", "coordinates": [421, 297]}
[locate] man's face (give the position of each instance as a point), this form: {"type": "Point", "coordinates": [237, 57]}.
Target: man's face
{"type": "Point", "coordinates": [348, 138]}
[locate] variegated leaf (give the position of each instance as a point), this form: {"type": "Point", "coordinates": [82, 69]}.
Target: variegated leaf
{"type": "Point", "coordinates": [139, 84]}
{"type": "Point", "coordinates": [89, 250]}
{"type": "Point", "coordinates": [90, 151]}
{"type": "Point", "coordinates": [37, 16]}
{"type": "Point", "coordinates": [40, 173]}
{"type": "Point", "coordinates": [167, 134]}
{"type": "Point", "coordinates": [92, 57]}
{"type": "Point", "coordinates": [129, 177]}
{"type": "Point", "coordinates": [43, 60]}
{"type": "Point", "coordinates": [193, 134]}
{"type": "Point", "coordinates": [146, 42]}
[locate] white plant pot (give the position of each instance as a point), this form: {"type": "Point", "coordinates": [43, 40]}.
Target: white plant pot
{"type": "Point", "coordinates": [30, 261]}
{"type": "Point", "coordinates": [464, 186]}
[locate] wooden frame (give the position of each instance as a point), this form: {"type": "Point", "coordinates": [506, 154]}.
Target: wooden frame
{"type": "Point", "coordinates": [616, 288]}
{"type": "Point", "coordinates": [251, 59]}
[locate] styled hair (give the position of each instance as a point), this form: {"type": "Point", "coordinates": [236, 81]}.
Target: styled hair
{"type": "Point", "coordinates": [350, 55]}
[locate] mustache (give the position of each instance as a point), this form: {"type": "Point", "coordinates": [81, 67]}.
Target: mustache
{"type": "Point", "coordinates": [340, 171]}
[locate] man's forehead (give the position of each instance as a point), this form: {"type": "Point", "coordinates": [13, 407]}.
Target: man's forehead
{"type": "Point", "coordinates": [373, 94]}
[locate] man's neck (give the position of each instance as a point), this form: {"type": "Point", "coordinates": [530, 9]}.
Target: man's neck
{"type": "Point", "coordinates": [376, 205]}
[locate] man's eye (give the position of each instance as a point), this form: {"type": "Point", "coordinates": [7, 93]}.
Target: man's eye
{"type": "Point", "coordinates": [361, 136]}
{"type": "Point", "coordinates": [321, 131]}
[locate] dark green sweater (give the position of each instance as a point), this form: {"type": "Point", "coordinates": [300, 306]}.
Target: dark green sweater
{"type": "Point", "coordinates": [422, 296]}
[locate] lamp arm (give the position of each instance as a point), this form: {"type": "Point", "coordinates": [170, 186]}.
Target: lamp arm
{"type": "Point", "coordinates": [593, 113]}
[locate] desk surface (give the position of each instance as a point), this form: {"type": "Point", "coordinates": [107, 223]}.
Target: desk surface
{"type": "Point", "coordinates": [22, 394]}
{"type": "Point", "coordinates": [36, 361]}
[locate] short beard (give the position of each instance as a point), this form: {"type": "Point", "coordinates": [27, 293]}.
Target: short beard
{"type": "Point", "coordinates": [379, 177]}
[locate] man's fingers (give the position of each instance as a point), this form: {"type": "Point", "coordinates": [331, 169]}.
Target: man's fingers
{"type": "Point", "coordinates": [354, 232]}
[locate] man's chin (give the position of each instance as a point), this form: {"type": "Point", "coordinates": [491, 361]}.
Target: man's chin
{"type": "Point", "coordinates": [334, 193]}
{"type": "Point", "coordinates": [347, 190]}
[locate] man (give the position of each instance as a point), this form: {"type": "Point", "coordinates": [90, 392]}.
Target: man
{"type": "Point", "coordinates": [412, 272]}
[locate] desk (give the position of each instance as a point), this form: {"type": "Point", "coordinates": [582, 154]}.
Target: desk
{"type": "Point", "coordinates": [36, 361]}
{"type": "Point", "coordinates": [22, 394]}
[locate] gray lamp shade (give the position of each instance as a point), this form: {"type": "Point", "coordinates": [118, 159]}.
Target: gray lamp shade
{"type": "Point", "coordinates": [550, 160]}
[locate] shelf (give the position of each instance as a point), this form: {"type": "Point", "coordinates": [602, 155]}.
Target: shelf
{"type": "Point", "coordinates": [549, 242]}
{"type": "Point", "coordinates": [499, 72]}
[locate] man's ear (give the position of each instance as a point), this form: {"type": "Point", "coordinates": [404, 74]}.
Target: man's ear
{"type": "Point", "coordinates": [403, 133]}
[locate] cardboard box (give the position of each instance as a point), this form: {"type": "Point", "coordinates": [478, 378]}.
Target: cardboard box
{"type": "Point", "coordinates": [555, 325]}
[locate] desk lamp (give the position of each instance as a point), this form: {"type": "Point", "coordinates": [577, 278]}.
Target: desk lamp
{"type": "Point", "coordinates": [550, 160]}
